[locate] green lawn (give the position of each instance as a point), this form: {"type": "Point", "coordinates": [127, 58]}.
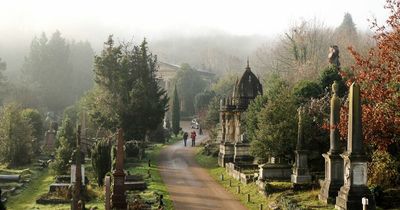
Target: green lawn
{"type": "Point", "coordinates": [40, 185]}
{"type": "Point", "coordinates": [42, 179]}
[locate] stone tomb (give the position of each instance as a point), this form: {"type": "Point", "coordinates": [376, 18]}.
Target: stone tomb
{"type": "Point", "coordinates": [233, 147]}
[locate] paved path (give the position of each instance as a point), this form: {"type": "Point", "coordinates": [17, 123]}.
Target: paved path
{"type": "Point", "coordinates": [189, 185]}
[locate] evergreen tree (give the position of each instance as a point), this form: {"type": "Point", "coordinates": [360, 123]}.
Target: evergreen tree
{"type": "Point", "coordinates": [66, 144]}
{"type": "Point", "coordinates": [49, 70]}
{"type": "Point", "coordinates": [189, 83]}
{"type": "Point", "coordinates": [36, 122]}
{"type": "Point", "coordinates": [15, 136]}
{"type": "Point", "coordinates": [101, 159]}
{"type": "Point", "coordinates": [175, 113]}
{"type": "Point", "coordinates": [130, 95]}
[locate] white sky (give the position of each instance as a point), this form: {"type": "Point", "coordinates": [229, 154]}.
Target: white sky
{"type": "Point", "coordinates": [84, 19]}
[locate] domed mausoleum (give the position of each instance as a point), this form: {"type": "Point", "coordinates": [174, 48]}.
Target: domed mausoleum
{"type": "Point", "coordinates": [234, 146]}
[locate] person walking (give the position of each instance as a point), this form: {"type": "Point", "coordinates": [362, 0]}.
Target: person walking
{"type": "Point", "coordinates": [185, 137]}
{"type": "Point", "coordinates": [193, 136]}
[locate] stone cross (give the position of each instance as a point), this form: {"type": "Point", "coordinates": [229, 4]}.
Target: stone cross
{"type": "Point", "coordinates": [118, 197]}
{"type": "Point", "coordinates": [334, 119]}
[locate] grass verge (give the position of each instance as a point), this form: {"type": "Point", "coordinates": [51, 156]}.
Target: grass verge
{"type": "Point", "coordinates": [304, 199]}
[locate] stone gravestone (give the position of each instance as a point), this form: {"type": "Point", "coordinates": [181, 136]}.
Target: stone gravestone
{"type": "Point", "coordinates": [108, 192]}
{"type": "Point", "coordinates": [118, 196]}
{"type": "Point", "coordinates": [333, 162]}
{"type": "Point", "coordinates": [301, 174]}
{"type": "Point", "coordinates": [355, 160]}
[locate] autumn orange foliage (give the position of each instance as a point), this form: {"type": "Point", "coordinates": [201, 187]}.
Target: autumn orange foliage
{"type": "Point", "coordinates": [378, 74]}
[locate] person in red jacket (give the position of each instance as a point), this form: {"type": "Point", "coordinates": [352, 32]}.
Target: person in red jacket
{"type": "Point", "coordinates": [193, 136]}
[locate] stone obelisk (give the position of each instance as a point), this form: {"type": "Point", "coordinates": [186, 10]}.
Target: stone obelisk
{"type": "Point", "coordinates": [118, 196]}
{"type": "Point", "coordinates": [301, 173]}
{"type": "Point", "coordinates": [355, 160]}
{"type": "Point", "coordinates": [77, 201]}
{"type": "Point", "coordinates": [333, 161]}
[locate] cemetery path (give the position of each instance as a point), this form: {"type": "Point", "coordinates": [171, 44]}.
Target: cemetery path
{"type": "Point", "coordinates": [190, 186]}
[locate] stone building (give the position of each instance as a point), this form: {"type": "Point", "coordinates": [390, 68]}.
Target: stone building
{"type": "Point", "coordinates": [234, 146]}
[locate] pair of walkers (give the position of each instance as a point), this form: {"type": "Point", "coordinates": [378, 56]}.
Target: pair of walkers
{"type": "Point", "coordinates": [192, 136]}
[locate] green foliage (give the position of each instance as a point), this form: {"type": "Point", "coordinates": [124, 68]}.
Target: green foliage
{"type": "Point", "coordinates": [57, 71]}
{"type": "Point", "coordinates": [212, 117]}
{"type": "Point", "coordinates": [201, 100]}
{"type": "Point", "coordinates": [66, 144]}
{"type": "Point", "coordinates": [305, 90]}
{"type": "Point", "coordinates": [277, 125]}
{"type": "Point", "coordinates": [15, 136]}
{"type": "Point", "coordinates": [252, 115]}
{"type": "Point", "coordinates": [35, 120]}
{"type": "Point", "coordinates": [176, 113]}
{"type": "Point", "coordinates": [347, 27]}
{"type": "Point", "coordinates": [328, 76]}
{"type": "Point", "coordinates": [383, 169]}
{"type": "Point", "coordinates": [3, 67]}
{"type": "Point", "coordinates": [224, 86]}
{"type": "Point", "coordinates": [128, 94]}
{"type": "Point", "coordinates": [189, 83]}
{"type": "Point", "coordinates": [101, 159]}
{"type": "Point", "coordinates": [273, 85]}
{"type": "Point", "coordinates": [159, 134]}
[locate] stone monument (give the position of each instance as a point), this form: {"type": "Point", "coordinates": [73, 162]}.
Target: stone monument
{"type": "Point", "coordinates": [233, 147]}
{"type": "Point", "coordinates": [355, 160]}
{"type": "Point", "coordinates": [333, 162]}
{"type": "Point", "coordinates": [118, 196]}
{"type": "Point", "coordinates": [334, 56]}
{"type": "Point", "coordinates": [49, 137]}
{"type": "Point", "coordinates": [77, 198]}
{"type": "Point", "coordinates": [301, 174]}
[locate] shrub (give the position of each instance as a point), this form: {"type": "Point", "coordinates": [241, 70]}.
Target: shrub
{"type": "Point", "coordinates": [15, 136]}
{"type": "Point", "coordinates": [101, 159]}
{"type": "Point", "coordinates": [383, 169]}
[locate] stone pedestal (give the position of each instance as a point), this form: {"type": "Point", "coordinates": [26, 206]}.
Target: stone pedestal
{"type": "Point", "coordinates": [301, 174]}
{"type": "Point", "coordinates": [242, 153]}
{"type": "Point", "coordinates": [118, 196]}
{"type": "Point", "coordinates": [355, 184]}
{"type": "Point", "coordinates": [333, 178]}
{"type": "Point", "coordinates": [226, 153]}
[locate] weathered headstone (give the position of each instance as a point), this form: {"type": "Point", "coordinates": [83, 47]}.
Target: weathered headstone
{"type": "Point", "coordinates": [355, 160]}
{"type": "Point", "coordinates": [301, 174]}
{"type": "Point", "coordinates": [118, 196]}
{"type": "Point", "coordinates": [333, 162]}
